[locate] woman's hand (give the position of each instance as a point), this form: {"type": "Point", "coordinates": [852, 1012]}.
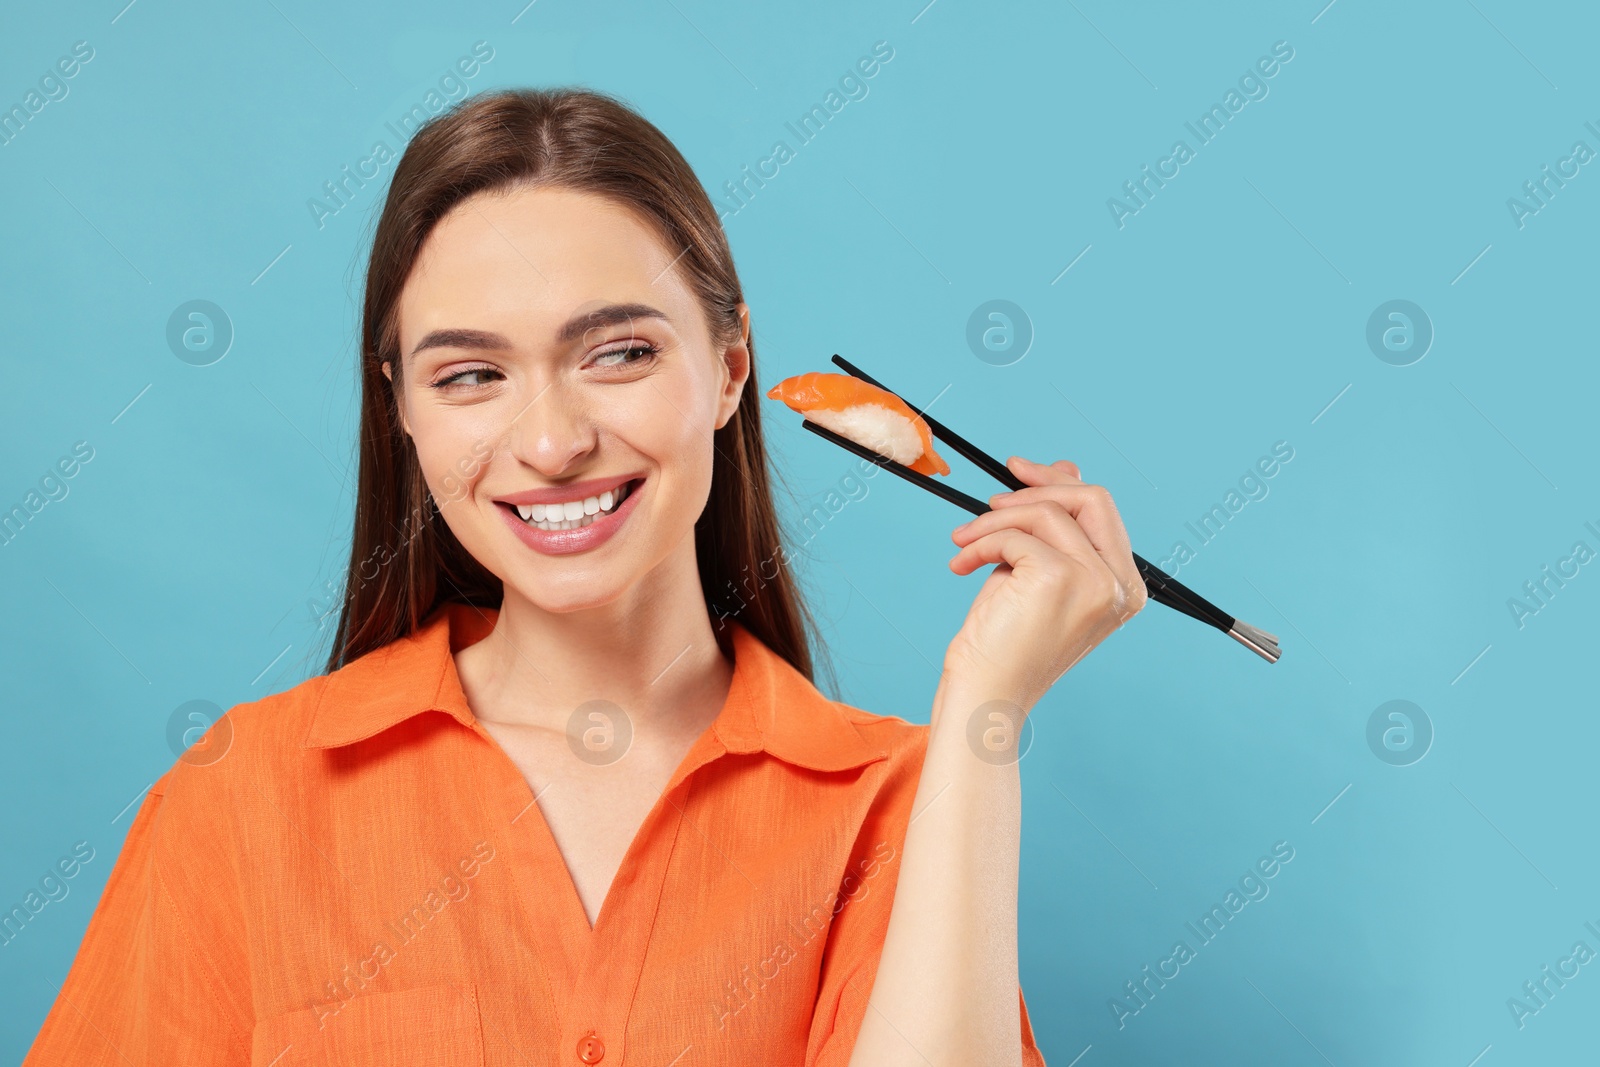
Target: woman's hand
{"type": "Point", "coordinates": [1065, 580]}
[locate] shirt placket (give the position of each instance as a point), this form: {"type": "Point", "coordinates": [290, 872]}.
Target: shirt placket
{"type": "Point", "coordinates": [592, 975]}
{"type": "Point", "coordinates": [556, 955]}
{"type": "Point", "coordinates": [594, 1025]}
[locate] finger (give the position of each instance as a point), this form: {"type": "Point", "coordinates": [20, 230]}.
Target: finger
{"type": "Point", "coordinates": [1050, 523]}
{"type": "Point", "coordinates": [1045, 519]}
{"type": "Point", "coordinates": [1014, 547]}
{"type": "Point", "coordinates": [1091, 505]}
{"type": "Point", "coordinates": [1059, 472]}
{"type": "Point", "coordinates": [1047, 536]}
{"type": "Point", "coordinates": [1068, 466]}
{"type": "Point", "coordinates": [1019, 551]}
{"type": "Point", "coordinates": [1095, 513]}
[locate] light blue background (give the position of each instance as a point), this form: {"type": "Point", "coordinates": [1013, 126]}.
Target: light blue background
{"type": "Point", "coordinates": [1223, 317]}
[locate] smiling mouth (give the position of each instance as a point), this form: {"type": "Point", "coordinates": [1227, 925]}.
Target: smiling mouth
{"type": "Point", "coordinates": [574, 514]}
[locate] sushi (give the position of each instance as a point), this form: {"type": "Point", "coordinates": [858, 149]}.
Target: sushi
{"type": "Point", "coordinates": [873, 418]}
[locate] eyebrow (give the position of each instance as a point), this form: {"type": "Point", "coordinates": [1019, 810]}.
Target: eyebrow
{"type": "Point", "coordinates": [610, 315]}
{"type": "Point", "coordinates": [572, 330]}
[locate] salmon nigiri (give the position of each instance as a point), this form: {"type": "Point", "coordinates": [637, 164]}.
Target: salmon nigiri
{"type": "Point", "coordinates": [871, 417]}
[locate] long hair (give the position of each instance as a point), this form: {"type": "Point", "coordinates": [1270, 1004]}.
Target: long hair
{"type": "Point", "coordinates": [404, 561]}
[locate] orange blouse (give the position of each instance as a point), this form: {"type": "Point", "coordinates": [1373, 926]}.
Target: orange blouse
{"type": "Point", "coordinates": [354, 872]}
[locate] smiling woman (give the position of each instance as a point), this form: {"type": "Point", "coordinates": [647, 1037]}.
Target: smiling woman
{"type": "Point", "coordinates": [551, 260]}
{"type": "Point", "coordinates": [561, 471]}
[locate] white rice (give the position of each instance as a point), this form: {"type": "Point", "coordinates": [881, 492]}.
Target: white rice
{"type": "Point", "coordinates": [886, 432]}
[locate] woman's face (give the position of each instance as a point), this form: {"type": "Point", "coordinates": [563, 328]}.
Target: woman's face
{"type": "Point", "coordinates": [562, 386]}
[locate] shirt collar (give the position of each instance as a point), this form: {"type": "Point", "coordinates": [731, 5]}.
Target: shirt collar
{"type": "Point", "coordinates": [771, 706]}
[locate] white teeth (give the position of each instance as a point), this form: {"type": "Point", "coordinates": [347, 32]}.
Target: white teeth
{"type": "Point", "coordinates": [573, 514]}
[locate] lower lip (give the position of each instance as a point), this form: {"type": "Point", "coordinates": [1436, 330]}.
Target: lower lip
{"type": "Point", "coordinates": [566, 542]}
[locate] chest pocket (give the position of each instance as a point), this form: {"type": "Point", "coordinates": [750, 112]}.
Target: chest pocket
{"type": "Point", "coordinates": [430, 1026]}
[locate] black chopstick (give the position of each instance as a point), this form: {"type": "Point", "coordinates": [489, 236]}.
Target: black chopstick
{"type": "Point", "coordinates": [1163, 588]}
{"type": "Point", "coordinates": [937, 488]}
{"type": "Point", "coordinates": [967, 503]}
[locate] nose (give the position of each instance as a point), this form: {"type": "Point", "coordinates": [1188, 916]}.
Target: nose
{"type": "Point", "coordinates": [553, 431]}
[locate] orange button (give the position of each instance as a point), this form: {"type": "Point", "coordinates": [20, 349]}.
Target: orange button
{"type": "Point", "coordinates": [591, 1049]}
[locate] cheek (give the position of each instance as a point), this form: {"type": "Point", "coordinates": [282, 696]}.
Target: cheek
{"type": "Point", "coordinates": [670, 419]}
{"type": "Point", "coordinates": [450, 448]}
{"type": "Point", "coordinates": [670, 426]}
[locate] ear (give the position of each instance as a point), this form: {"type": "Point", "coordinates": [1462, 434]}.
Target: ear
{"type": "Point", "coordinates": [388, 372]}
{"type": "Point", "coordinates": [736, 362]}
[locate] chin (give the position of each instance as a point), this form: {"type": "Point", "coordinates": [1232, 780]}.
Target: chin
{"type": "Point", "coordinates": [565, 597]}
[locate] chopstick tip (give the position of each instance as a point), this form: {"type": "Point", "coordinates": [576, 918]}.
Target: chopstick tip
{"type": "Point", "coordinates": [1256, 640]}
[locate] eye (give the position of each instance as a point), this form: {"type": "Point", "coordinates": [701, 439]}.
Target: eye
{"type": "Point", "coordinates": [455, 381]}
{"type": "Point", "coordinates": [642, 351]}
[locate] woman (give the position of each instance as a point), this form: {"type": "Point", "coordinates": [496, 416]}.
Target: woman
{"type": "Point", "coordinates": [544, 807]}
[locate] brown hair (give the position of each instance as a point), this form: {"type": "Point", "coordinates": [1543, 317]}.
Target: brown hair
{"type": "Point", "coordinates": [590, 142]}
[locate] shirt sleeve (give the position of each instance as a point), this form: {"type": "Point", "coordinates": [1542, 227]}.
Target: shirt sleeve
{"type": "Point", "coordinates": [862, 908]}
{"type": "Point", "coordinates": [851, 1010]}
{"type": "Point", "coordinates": [160, 976]}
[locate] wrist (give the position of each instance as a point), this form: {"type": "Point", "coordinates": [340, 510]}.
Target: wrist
{"type": "Point", "coordinates": [964, 687]}
{"type": "Point", "coordinates": [984, 717]}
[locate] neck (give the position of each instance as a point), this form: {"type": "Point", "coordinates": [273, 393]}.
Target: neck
{"type": "Point", "coordinates": [652, 652]}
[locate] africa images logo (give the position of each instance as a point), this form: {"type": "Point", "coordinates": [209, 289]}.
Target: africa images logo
{"type": "Point", "coordinates": [1252, 886]}
{"type": "Point", "coordinates": [1205, 129]}
{"type": "Point", "coordinates": [342, 190]}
